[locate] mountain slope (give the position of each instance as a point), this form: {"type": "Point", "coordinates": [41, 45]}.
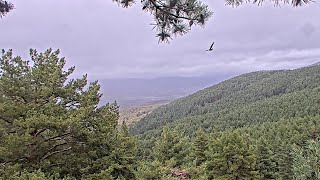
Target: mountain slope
{"type": "Point", "coordinates": [315, 64]}
{"type": "Point", "coordinates": [241, 101]}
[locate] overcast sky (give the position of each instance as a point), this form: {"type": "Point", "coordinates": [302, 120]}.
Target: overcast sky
{"type": "Point", "coordinates": [106, 41]}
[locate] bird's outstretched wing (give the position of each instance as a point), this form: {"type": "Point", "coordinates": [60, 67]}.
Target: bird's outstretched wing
{"type": "Point", "coordinates": [211, 45]}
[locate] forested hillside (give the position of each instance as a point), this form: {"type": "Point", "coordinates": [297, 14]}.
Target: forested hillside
{"type": "Point", "coordinates": [262, 125]}
{"type": "Point", "coordinates": [286, 149]}
{"type": "Point", "coordinates": [245, 100]}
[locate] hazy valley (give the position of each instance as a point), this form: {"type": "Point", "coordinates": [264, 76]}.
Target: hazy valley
{"type": "Point", "coordinates": [135, 113]}
{"type": "Point", "coordinates": [135, 91]}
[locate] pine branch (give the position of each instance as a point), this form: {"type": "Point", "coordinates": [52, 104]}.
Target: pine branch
{"type": "Point", "coordinates": [58, 136]}
{"type": "Point", "coordinates": [6, 120]}
{"type": "Point", "coordinates": [14, 160]}
{"type": "Point", "coordinates": [294, 3]}
{"type": "Point", "coordinates": [5, 7]}
{"type": "Point", "coordinates": [168, 13]}
{"type": "Point", "coordinates": [53, 165]}
{"type": "Point", "coordinates": [57, 145]}
{"type": "Point", "coordinates": [39, 132]}
{"type": "Point", "coordinates": [55, 152]}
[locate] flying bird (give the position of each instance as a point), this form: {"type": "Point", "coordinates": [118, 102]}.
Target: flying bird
{"type": "Point", "coordinates": [210, 49]}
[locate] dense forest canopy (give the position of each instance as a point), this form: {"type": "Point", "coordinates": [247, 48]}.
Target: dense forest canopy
{"type": "Point", "coordinates": [266, 117]}
{"type": "Point", "coordinates": [241, 101]}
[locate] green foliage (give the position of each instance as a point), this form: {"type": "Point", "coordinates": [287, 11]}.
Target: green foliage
{"type": "Point", "coordinates": [171, 148]}
{"type": "Point", "coordinates": [152, 170]}
{"type": "Point", "coordinates": [285, 161]}
{"type": "Point", "coordinates": [173, 17]}
{"type": "Point", "coordinates": [231, 157]}
{"type": "Point", "coordinates": [245, 100]}
{"type": "Point", "coordinates": [125, 154]}
{"type": "Point", "coordinates": [266, 161]}
{"type": "Point", "coordinates": [200, 146]}
{"type": "Point", "coordinates": [53, 124]}
{"type": "Point", "coordinates": [12, 172]}
{"type": "Point", "coordinates": [255, 118]}
{"type": "Point", "coordinates": [269, 143]}
{"type": "Point", "coordinates": [176, 17]}
{"type": "Point", "coordinates": [199, 172]}
{"type": "Point", "coordinates": [259, 127]}
{"type": "Point", "coordinates": [307, 161]}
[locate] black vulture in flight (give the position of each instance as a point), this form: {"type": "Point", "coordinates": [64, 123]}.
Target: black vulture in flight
{"type": "Point", "coordinates": [210, 49]}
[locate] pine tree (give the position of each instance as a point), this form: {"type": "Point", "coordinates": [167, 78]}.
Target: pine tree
{"type": "Point", "coordinates": [171, 148]}
{"type": "Point", "coordinates": [125, 155]}
{"type": "Point", "coordinates": [306, 164]}
{"type": "Point", "coordinates": [54, 124]}
{"type": "Point", "coordinates": [284, 161]}
{"type": "Point", "coordinates": [152, 170]}
{"type": "Point", "coordinates": [200, 146]}
{"type": "Point", "coordinates": [266, 162]}
{"type": "Point", "coordinates": [230, 157]}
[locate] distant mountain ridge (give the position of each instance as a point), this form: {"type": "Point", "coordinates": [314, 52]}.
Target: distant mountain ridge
{"type": "Point", "coordinates": [136, 92]}
{"type": "Point", "coordinates": [244, 100]}
{"type": "Point", "coordinates": [315, 64]}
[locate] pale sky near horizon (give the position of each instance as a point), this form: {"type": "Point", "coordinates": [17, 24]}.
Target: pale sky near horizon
{"type": "Point", "coordinates": [107, 41]}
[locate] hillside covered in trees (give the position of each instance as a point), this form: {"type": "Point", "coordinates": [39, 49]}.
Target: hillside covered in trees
{"type": "Point", "coordinates": [262, 125]}
{"type": "Point", "coordinates": [245, 100]}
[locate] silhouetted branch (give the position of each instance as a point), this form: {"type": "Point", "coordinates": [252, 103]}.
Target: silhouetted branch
{"type": "Point", "coordinates": [5, 7]}
{"type": "Point", "coordinates": [294, 3]}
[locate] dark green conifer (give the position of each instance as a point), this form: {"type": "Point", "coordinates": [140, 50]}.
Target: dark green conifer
{"type": "Point", "coordinates": [285, 161]}
{"type": "Point", "coordinates": [53, 124]}
{"type": "Point", "coordinates": [306, 161]}
{"type": "Point", "coordinates": [230, 157]}
{"type": "Point", "coordinates": [266, 162]}
{"type": "Point", "coordinates": [171, 148]}
{"type": "Point", "coordinates": [200, 146]}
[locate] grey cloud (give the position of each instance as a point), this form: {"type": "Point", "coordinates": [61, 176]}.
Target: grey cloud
{"type": "Point", "coordinates": [107, 41]}
{"type": "Point", "coordinates": [308, 29]}
{"type": "Point", "coordinates": [237, 63]}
